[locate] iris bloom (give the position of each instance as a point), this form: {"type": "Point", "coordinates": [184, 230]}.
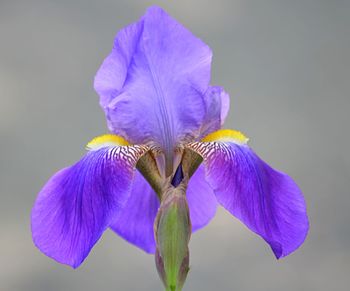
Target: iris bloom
{"type": "Point", "coordinates": [167, 165]}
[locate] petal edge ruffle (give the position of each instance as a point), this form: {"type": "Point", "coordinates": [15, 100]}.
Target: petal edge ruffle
{"type": "Point", "coordinates": [156, 69]}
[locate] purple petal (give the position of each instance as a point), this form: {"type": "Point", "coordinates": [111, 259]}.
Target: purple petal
{"type": "Point", "coordinates": [79, 202]}
{"type": "Point", "coordinates": [217, 103]}
{"type": "Point", "coordinates": [225, 106]}
{"type": "Point", "coordinates": [135, 222]}
{"type": "Point", "coordinates": [201, 200]}
{"type": "Point", "coordinates": [152, 84]}
{"type": "Point", "coordinates": [265, 200]}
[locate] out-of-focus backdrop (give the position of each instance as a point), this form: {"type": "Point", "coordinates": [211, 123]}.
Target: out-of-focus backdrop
{"type": "Point", "coordinates": [286, 65]}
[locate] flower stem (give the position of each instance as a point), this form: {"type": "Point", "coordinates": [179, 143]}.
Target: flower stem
{"type": "Point", "coordinates": [172, 232]}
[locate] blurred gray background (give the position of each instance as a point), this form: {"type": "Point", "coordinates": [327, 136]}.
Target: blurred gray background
{"type": "Point", "coordinates": [286, 65]}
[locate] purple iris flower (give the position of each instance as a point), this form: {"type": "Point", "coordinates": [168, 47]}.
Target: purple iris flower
{"type": "Point", "coordinates": [165, 120]}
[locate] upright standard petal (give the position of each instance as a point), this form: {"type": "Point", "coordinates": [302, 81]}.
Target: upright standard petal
{"type": "Point", "coordinates": [135, 222]}
{"type": "Point", "coordinates": [267, 201]}
{"type": "Point", "coordinates": [217, 103]}
{"type": "Point", "coordinates": [153, 82]}
{"type": "Point", "coordinates": [79, 202]}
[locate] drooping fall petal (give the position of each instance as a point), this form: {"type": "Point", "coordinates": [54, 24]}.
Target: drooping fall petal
{"type": "Point", "coordinates": [201, 200]}
{"type": "Point", "coordinates": [265, 200]}
{"type": "Point", "coordinates": [79, 202]}
{"type": "Point", "coordinates": [135, 223]}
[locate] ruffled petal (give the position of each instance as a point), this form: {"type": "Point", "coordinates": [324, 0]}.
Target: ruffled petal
{"type": "Point", "coordinates": [201, 200]}
{"type": "Point", "coordinates": [79, 202]}
{"type": "Point", "coordinates": [152, 84]}
{"type": "Point", "coordinates": [225, 106]}
{"type": "Point", "coordinates": [265, 200]}
{"type": "Point", "coordinates": [135, 222]}
{"type": "Point", "coordinates": [217, 103]}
